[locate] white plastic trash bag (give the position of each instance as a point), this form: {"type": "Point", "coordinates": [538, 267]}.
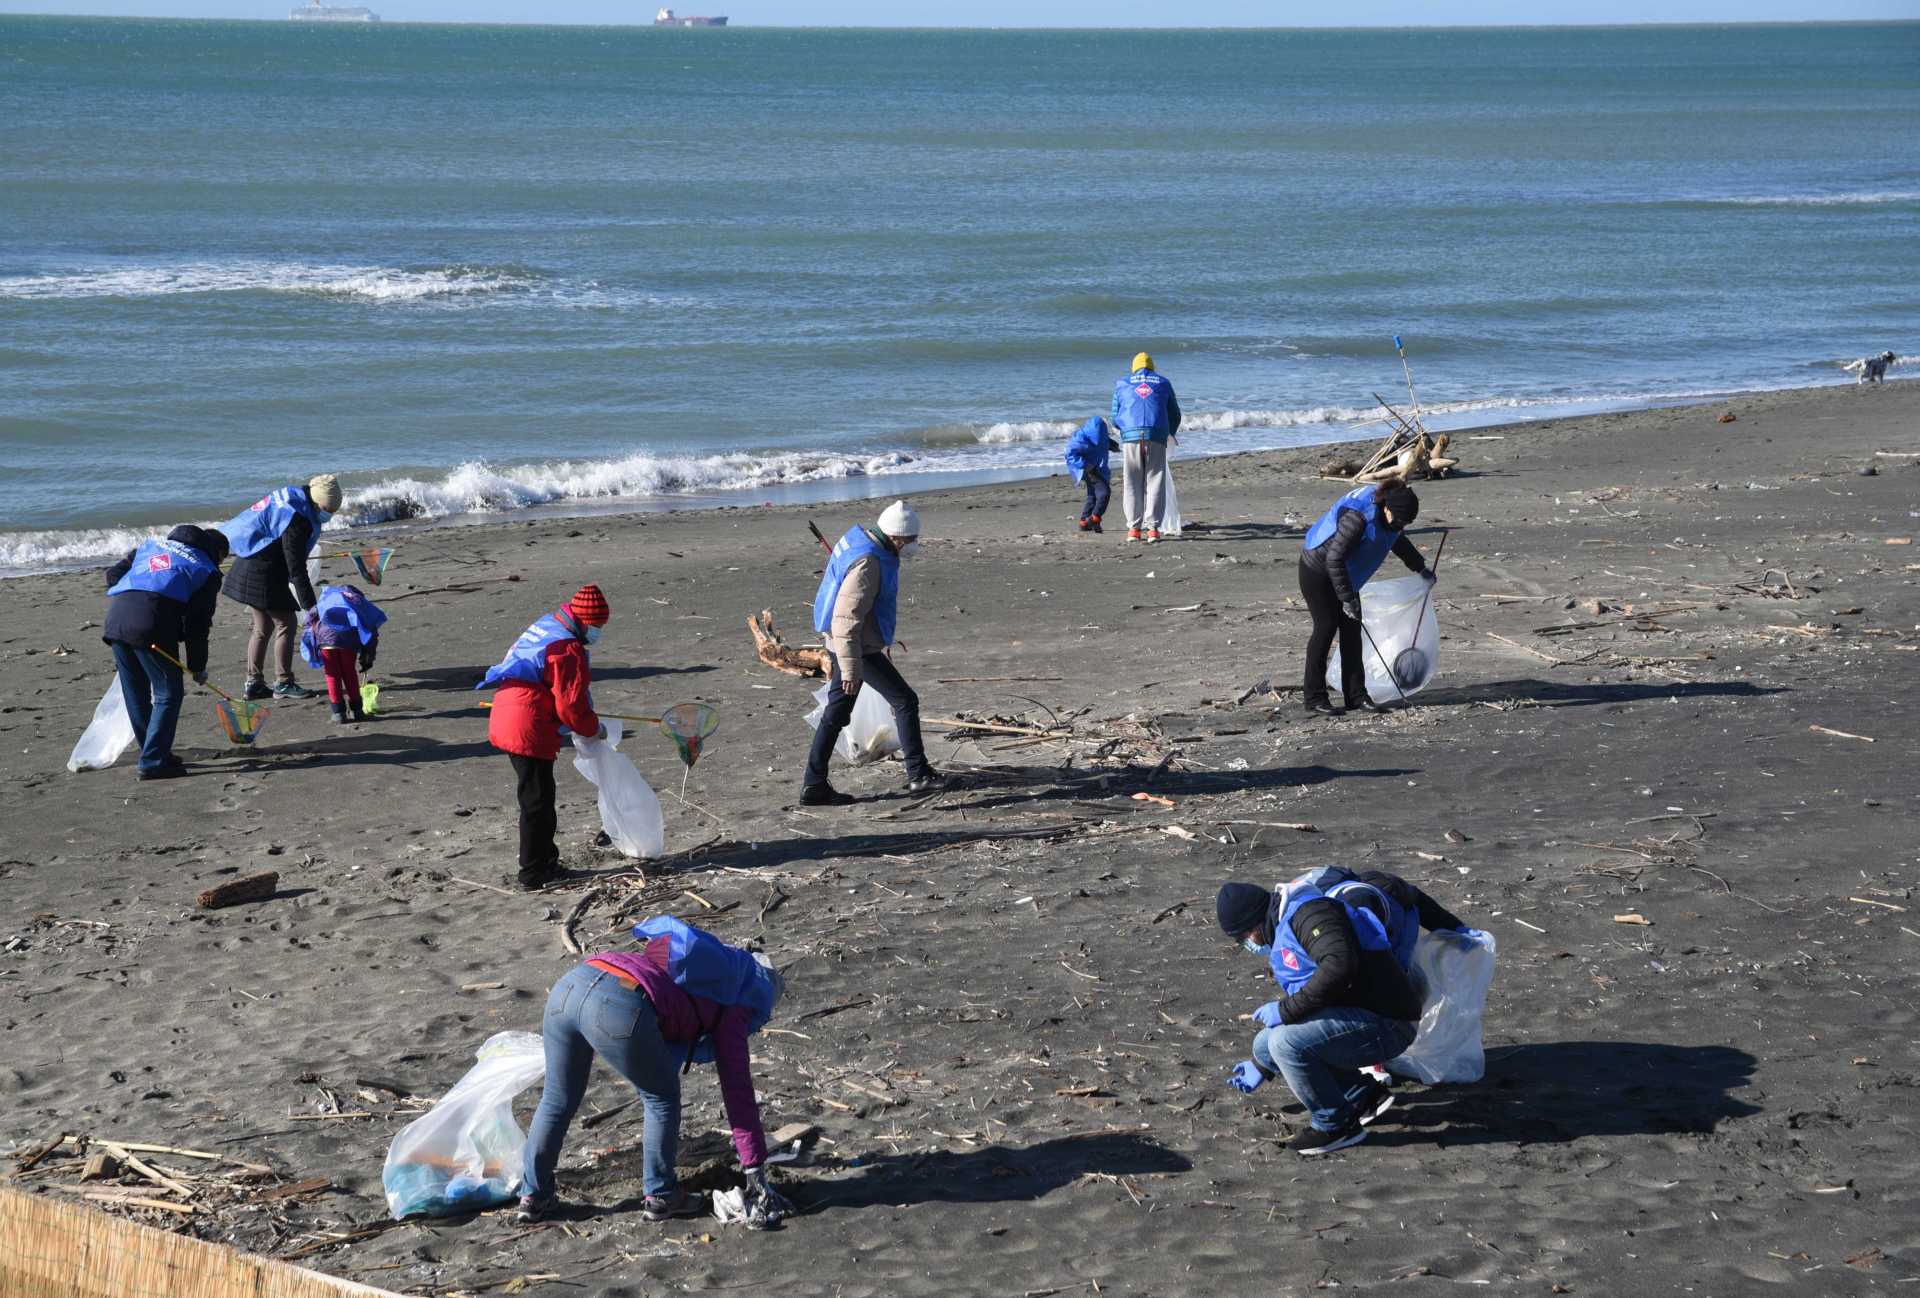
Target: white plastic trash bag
{"type": "Point", "coordinates": [629, 809]}
{"type": "Point", "coordinates": [1170, 507]}
{"type": "Point", "coordinates": [1457, 969]}
{"type": "Point", "coordinates": [1392, 615]}
{"type": "Point", "coordinates": [870, 735]}
{"type": "Point", "coordinates": [464, 1153]}
{"type": "Point", "coordinates": [108, 735]}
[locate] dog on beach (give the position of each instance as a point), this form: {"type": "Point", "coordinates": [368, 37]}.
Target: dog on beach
{"type": "Point", "coordinates": [1873, 369]}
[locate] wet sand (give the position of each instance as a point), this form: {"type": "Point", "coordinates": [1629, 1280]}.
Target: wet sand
{"type": "Point", "coordinates": [1010, 1013]}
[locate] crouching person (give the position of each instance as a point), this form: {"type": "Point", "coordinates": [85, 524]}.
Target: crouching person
{"type": "Point", "coordinates": [684, 998]}
{"type": "Point", "coordinates": [1340, 944]}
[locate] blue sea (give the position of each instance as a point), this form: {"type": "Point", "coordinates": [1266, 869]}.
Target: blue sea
{"type": "Point", "coordinates": [486, 269]}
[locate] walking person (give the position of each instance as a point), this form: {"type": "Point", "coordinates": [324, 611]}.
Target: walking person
{"type": "Point", "coordinates": [542, 685]}
{"type": "Point", "coordinates": [856, 609]}
{"type": "Point", "coordinates": [1341, 553]}
{"type": "Point", "coordinates": [272, 542]}
{"type": "Point", "coordinates": [1146, 413]}
{"type": "Point", "coordinates": [160, 596]}
{"type": "Point", "coordinates": [685, 998]}
{"type": "Point", "coordinates": [1087, 455]}
{"type": "Point", "coordinates": [1340, 944]}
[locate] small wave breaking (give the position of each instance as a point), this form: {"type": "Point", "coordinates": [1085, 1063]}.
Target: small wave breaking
{"type": "Point", "coordinates": [351, 283]}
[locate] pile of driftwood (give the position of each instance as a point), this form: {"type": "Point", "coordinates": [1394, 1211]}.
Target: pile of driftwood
{"type": "Point", "coordinates": [1408, 454]}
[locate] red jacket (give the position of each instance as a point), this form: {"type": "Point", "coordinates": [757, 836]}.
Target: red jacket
{"type": "Point", "coordinates": [526, 719]}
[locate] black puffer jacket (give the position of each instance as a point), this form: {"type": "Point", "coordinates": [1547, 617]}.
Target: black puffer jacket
{"type": "Point", "coordinates": [142, 618]}
{"type": "Point", "coordinates": [1347, 975]}
{"type": "Point", "coordinates": [260, 580]}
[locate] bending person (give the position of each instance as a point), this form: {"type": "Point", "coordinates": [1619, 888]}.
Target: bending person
{"type": "Point", "coordinates": [1343, 550]}
{"type": "Point", "coordinates": [162, 595]}
{"type": "Point", "coordinates": [272, 542]}
{"type": "Point", "coordinates": [856, 609]}
{"type": "Point", "coordinates": [633, 1009]}
{"type": "Point", "coordinates": [1340, 945]}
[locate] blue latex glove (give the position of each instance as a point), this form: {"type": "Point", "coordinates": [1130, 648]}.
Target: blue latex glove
{"type": "Point", "coordinates": [1428, 574]}
{"type": "Point", "coordinates": [1268, 1015]}
{"type": "Point", "coordinates": [1247, 1077]}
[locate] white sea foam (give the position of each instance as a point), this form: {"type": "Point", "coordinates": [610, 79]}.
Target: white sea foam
{"type": "Point", "coordinates": [361, 283]}
{"type": "Point", "coordinates": [1822, 200]}
{"type": "Point", "coordinates": [38, 551]}
{"type": "Point", "coordinates": [1859, 364]}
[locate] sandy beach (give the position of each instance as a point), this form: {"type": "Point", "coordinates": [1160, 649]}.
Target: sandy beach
{"type": "Point", "coordinates": [1677, 683]}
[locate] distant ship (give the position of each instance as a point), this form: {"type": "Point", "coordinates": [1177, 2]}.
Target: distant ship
{"type": "Point", "coordinates": [315, 12]}
{"type": "Point", "coordinates": [667, 18]}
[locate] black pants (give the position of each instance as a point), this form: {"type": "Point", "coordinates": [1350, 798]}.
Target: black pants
{"type": "Point", "coordinates": [883, 676]}
{"type": "Point", "coordinates": [1099, 493]}
{"type": "Point", "coordinates": [1317, 589]}
{"type": "Point", "coordinates": [533, 777]}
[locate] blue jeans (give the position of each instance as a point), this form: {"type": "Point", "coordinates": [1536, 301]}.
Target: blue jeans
{"type": "Point", "coordinates": [591, 1012]}
{"type": "Point", "coordinates": [885, 679]}
{"type": "Point", "coordinates": [1321, 1058]}
{"type": "Point", "coordinates": [1099, 493]}
{"type": "Point", "coordinates": [153, 690]}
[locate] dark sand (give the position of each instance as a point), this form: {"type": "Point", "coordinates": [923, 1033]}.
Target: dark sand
{"type": "Point", "coordinates": [1025, 1092]}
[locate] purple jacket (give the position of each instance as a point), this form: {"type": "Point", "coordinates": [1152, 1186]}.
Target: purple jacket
{"type": "Point", "coordinates": [685, 1019]}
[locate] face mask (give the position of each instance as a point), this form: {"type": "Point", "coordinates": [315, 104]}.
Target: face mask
{"type": "Point", "coordinates": [593, 634]}
{"type": "Point", "coordinates": [1252, 947]}
{"type": "Point", "coordinates": [910, 549]}
{"type": "Point", "coordinates": [326, 516]}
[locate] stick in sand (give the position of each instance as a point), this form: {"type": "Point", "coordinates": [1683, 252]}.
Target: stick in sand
{"type": "Point", "coordinates": [825, 544]}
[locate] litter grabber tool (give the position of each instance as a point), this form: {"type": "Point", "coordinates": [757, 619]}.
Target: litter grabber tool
{"type": "Point", "coordinates": [241, 719]}
{"type": "Point", "coordinates": [1410, 665]}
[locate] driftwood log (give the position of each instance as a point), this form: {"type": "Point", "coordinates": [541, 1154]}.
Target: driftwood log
{"type": "Point", "coordinates": [781, 656]}
{"type": "Point", "coordinates": [252, 887]}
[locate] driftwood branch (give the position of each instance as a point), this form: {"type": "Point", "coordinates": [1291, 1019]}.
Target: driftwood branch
{"type": "Point", "coordinates": [778, 654]}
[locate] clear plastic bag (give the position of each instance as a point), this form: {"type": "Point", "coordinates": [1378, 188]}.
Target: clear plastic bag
{"type": "Point", "coordinates": [107, 736]}
{"type": "Point", "coordinates": [1170, 507]}
{"type": "Point", "coordinates": [1456, 969]}
{"type": "Point", "coordinates": [1395, 622]}
{"type": "Point", "coordinates": [870, 735]}
{"type": "Point", "coordinates": [464, 1153]}
{"type": "Point", "coordinates": [629, 808]}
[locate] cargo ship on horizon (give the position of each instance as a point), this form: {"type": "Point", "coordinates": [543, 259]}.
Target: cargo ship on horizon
{"type": "Point", "coordinates": [667, 18]}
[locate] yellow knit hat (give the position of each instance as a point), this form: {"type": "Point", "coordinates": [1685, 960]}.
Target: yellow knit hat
{"type": "Point", "coordinates": [1143, 362]}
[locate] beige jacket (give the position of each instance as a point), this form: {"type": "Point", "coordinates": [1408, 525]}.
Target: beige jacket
{"type": "Point", "coordinates": [854, 631]}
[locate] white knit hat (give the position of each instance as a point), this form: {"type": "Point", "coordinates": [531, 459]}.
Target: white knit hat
{"type": "Point", "coordinates": [899, 519]}
{"type": "Point", "coordinates": [324, 490]}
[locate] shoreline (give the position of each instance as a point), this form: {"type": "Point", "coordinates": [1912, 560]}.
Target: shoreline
{"type": "Point", "coordinates": [106, 541]}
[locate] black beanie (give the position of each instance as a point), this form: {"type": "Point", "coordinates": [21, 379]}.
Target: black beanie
{"type": "Point", "coordinates": [1242, 907]}
{"type": "Point", "coordinates": [1404, 504]}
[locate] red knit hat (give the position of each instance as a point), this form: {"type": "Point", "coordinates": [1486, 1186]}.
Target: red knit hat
{"type": "Point", "coordinates": [589, 607]}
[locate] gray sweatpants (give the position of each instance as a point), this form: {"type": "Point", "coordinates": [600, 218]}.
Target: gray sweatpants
{"type": "Point", "coordinates": [1144, 490]}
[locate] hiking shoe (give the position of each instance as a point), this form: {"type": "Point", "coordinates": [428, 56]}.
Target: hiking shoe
{"type": "Point", "coordinates": [1094, 526]}
{"type": "Point", "coordinates": [535, 880]}
{"type": "Point", "coordinates": [1153, 538]}
{"type": "Point", "coordinates": [1085, 526]}
{"type": "Point", "coordinates": [1133, 534]}
{"type": "Point", "coordinates": [293, 690]}
{"type": "Point", "coordinates": [338, 712]}
{"type": "Point", "coordinates": [1366, 702]}
{"type": "Point", "coordinates": [825, 795]}
{"type": "Point", "coordinates": [665, 1207]}
{"type": "Point", "coordinates": [931, 782]}
{"type": "Point", "coordinates": [1314, 1141]}
{"type": "Point", "coordinates": [1324, 708]}
{"type": "Point", "coordinates": [256, 689]}
{"type": "Point", "coordinates": [173, 772]}
{"type": "Point", "coordinates": [536, 1207]}
{"type": "Point", "coordinates": [1373, 1104]}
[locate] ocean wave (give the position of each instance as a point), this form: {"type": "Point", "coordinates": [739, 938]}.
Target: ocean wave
{"type": "Point", "coordinates": [480, 488]}
{"type": "Point", "coordinates": [356, 283]}
{"type": "Point", "coordinates": [1867, 197]}
{"type": "Point", "coordinates": [37, 551]}
{"type": "Point", "coordinates": [1859, 363]}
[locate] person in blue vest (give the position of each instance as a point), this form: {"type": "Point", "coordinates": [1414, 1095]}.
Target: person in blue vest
{"type": "Point", "coordinates": [1341, 553]}
{"type": "Point", "coordinates": [542, 686]}
{"type": "Point", "coordinates": [160, 596]}
{"type": "Point", "coordinates": [1340, 945]}
{"type": "Point", "coordinates": [272, 540]}
{"type": "Point", "coordinates": [1146, 413]}
{"type": "Point", "coordinates": [342, 640]}
{"type": "Point", "coordinates": [1087, 452]}
{"type": "Point", "coordinates": [855, 609]}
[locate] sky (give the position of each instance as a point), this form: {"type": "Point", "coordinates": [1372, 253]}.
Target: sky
{"type": "Point", "coordinates": [1037, 13]}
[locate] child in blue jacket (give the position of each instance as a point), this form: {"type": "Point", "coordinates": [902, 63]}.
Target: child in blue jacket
{"type": "Point", "coordinates": [1087, 453]}
{"type": "Point", "coordinates": [343, 632]}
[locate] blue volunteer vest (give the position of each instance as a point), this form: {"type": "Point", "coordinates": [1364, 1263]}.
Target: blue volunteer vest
{"type": "Point", "coordinates": [1140, 403]}
{"type": "Point", "coordinates": [1365, 558]}
{"type": "Point", "coordinates": [1378, 921]}
{"type": "Point", "coordinates": [255, 528]}
{"type": "Point", "coordinates": [527, 660]}
{"type": "Point", "coordinates": [346, 608]}
{"type": "Point", "coordinates": [856, 545]}
{"type": "Point", "coordinates": [169, 568]}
